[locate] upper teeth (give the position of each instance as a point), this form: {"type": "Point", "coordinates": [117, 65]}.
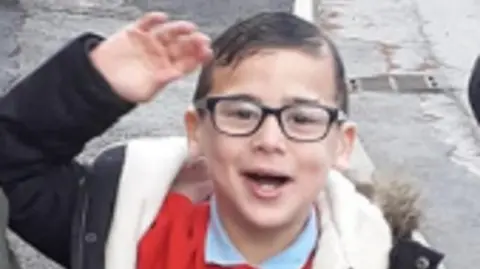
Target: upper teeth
{"type": "Point", "coordinates": [267, 186]}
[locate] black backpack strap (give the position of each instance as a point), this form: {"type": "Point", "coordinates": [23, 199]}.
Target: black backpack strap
{"type": "Point", "coordinates": [410, 254]}
{"type": "Point", "coordinates": [95, 209]}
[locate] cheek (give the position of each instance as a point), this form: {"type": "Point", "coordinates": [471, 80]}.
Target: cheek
{"type": "Point", "coordinates": [314, 163]}
{"type": "Point", "coordinates": [220, 152]}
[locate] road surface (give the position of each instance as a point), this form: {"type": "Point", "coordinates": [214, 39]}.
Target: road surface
{"type": "Point", "coordinates": [429, 137]}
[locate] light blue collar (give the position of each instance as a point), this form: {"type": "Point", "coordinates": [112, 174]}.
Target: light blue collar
{"type": "Point", "coordinates": [219, 249]}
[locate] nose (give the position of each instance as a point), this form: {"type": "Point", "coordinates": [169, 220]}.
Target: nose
{"type": "Point", "coordinates": [269, 137]}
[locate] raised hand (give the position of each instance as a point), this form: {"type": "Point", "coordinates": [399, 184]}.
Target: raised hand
{"type": "Point", "coordinates": [141, 59]}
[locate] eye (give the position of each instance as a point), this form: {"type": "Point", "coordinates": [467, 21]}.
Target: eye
{"type": "Point", "coordinates": [242, 113]}
{"type": "Point", "coordinates": [306, 116]}
{"type": "Point", "coordinates": [239, 110]}
{"type": "Point", "coordinates": [303, 119]}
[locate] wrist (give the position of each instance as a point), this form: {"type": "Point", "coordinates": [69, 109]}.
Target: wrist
{"type": "Point", "coordinates": [99, 59]}
{"type": "Point", "coordinates": [107, 60]}
{"type": "Point", "coordinates": [101, 89]}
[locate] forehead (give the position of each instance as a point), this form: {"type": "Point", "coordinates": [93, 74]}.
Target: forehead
{"type": "Point", "coordinates": [278, 74]}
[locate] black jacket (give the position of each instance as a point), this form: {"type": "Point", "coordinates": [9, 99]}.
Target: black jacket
{"type": "Point", "coordinates": [64, 208]}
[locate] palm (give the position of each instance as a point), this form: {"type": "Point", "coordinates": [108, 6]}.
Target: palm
{"type": "Point", "coordinates": [145, 57]}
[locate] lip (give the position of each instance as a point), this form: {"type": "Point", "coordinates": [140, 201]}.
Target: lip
{"type": "Point", "coordinates": [265, 192]}
{"type": "Point", "coordinates": [266, 172]}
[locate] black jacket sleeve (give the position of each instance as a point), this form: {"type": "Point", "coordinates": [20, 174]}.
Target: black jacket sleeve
{"type": "Point", "coordinates": [45, 121]}
{"type": "Point", "coordinates": [474, 90]}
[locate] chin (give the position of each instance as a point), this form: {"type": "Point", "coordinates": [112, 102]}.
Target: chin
{"type": "Point", "coordinates": [267, 218]}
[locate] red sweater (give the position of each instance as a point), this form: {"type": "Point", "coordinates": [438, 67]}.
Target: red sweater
{"type": "Point", "coordinates": [176, 239]}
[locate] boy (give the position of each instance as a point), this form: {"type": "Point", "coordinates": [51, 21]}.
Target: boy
{"type": "Point", "coordinates": [268, 121]}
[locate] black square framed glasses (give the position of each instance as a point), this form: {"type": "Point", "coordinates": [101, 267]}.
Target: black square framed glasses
{"type": "Point", "coordinates": [242, 116]}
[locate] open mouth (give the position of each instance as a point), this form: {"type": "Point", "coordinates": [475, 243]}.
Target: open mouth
{"type": "Point", "coordinates": [267, 179]}
{"type": "Point", "coordinates": [266, 184]}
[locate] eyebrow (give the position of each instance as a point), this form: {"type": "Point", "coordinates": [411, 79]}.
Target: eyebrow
{"type": "Point", "coordinates": [245, 97]}
{"type": "Point", "coordinates": [301, 100]}
{"type": "Point", "coordinates": [285, 100]}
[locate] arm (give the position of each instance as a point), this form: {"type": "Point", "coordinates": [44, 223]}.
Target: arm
{"type": "Point", "coordinates": [45, 121]}
{"type": "Point", "coordinates": [47, 118]}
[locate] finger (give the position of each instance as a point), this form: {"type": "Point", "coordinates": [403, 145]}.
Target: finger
{"type": "Point", "coordinates": [202, 47]}
{"type": "Point", "coordinates": [197, 45]}
{"type": "Point", "coordinates": [150, 20]}
{"type": "Point", "coordinates": [192, 51]}
{"type": "Point", "coordinates": [171, 31]}
{"type": "Point", "coordinates": [156, 53]}
{"type": "Point", "coordinates": [183, 51]}
{"type": "Point", "coordinates": [205, 54]}
{"type": "Point", "coordinates": [181, 47]}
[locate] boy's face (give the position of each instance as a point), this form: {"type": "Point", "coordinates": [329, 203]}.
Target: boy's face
{"type": "Point", "coordinates": [266, 178]}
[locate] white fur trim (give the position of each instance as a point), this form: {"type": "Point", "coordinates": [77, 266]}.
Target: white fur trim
{"type": "Point", "coordinates": [151, 166]}
{"type": "Point", "coordinates": [354, 232]}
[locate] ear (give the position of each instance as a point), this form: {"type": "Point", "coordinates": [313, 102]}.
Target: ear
{"type": "Point", "coordinates": [192, 125]}
{"type": "Point", "coordinates": [346, 142]}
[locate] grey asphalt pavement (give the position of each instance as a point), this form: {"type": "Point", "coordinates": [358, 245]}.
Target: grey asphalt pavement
{"type": "Point", "coordinates": [404, 140]}
{"type": "Point", "coordinates": [428, 138]}
{"type": "Point", "coordinates": [30, 31]}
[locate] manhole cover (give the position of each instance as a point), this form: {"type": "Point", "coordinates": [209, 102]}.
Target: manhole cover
{"type": "Point", "coordinates": [378, 83]}
{"type": "Point", "coordinates": [410, 82]}
{"type": "Point", "coordinates": [416, 83]}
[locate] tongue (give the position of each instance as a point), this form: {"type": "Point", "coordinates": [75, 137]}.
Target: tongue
{"type": "Point", "coordinates": [265, 189]}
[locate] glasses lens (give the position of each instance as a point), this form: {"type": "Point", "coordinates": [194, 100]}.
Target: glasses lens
{"type": "Point", "coordinates": [237, 117]}
{"type": "Point", "coordinates": [305, 122]}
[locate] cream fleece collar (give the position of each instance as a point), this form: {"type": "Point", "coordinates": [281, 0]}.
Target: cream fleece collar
{"type": "Point", "coordinates": [354, 233]}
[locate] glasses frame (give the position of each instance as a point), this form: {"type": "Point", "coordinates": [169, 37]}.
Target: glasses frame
{"type": "Point", "coordinates": [210, 103]}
